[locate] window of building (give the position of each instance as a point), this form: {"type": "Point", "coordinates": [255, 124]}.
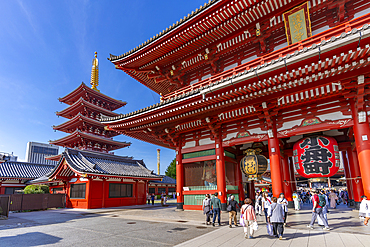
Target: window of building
{"type": "Point", "coordinates": [171, 189]}
{"type": "Point", "coordinates": [160, 190]}
{"type": "Point", "coordinates": [78, 191]}
{"type": "Point", "coordinates": [57, 190]}
{"type": "Point", "coordinates": [12, 190]}
{"type": "Point", "coordinates": [151, 190]}
{"type": "Point", "coordinates": [120, 190]}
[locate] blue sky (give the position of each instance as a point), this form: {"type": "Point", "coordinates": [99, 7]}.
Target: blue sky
{"type": "Point", "coordinates": [46, 49]}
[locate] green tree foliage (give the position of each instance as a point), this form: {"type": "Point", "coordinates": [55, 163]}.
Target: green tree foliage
{"type": "Point", "coordinates": [171, 169]}
{"type": "Point", "coordinates": [36, 189]}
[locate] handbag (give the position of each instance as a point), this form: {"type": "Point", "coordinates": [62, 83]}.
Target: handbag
{"type": "Point", "coordinates": [241, 220]}
{"type": "Point", "coordinates": [229, 208]}
{"type": "Point", "coordinates": [255, 226]}
{"type": "Point", "coordinates": [269, 229]}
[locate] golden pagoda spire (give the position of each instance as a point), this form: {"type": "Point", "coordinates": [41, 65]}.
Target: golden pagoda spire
{"type": "Point", "coordinates": [95, 73]}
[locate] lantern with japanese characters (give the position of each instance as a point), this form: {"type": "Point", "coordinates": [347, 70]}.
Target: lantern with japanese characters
{"type": "Point", "coordinates": [253, 165]}
{"type": "Point", "coordinates": [316, 156]}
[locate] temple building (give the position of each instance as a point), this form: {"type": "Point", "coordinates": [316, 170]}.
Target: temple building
{"type": "Point", "coordinates": [15, 176]}
{"type": "Point", "coordinates": [88, 172]}
{"type": "Point", "coordinates": [289, 78]}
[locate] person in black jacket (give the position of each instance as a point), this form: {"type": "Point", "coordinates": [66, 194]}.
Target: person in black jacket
{"type": "Point", "coordinates": [233, 205]}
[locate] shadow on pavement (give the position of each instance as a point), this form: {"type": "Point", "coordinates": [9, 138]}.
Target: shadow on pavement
{"type": "Point", "coordinates": [29, 239]}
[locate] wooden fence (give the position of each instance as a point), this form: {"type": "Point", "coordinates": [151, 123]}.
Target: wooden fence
{"type": "Point", "coordinates": [20, 202]}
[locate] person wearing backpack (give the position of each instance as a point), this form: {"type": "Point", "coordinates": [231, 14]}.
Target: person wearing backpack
{"type": "Point", "coordinates": [216, 209]}
{"type": "Point", "coordinates": [231, 208]}
{"type": "Point", "coordinates": [323, 199]}
{"type": "Point", "coordinates": [317, 210]}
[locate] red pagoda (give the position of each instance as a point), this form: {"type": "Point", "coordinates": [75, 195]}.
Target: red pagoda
{"type": "Point", "coordinates": [86, 106]}
{"type": "Point", "coordinates": [87, 172]}
{"type": "Point", "coordinates": [238, 75]}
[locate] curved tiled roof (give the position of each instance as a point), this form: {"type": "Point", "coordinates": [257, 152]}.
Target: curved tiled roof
{"type": "Point", "coordinates": [253, 70]}
{"type": "Point", "coordinates": [167, 30]}
{"type": "Point", "coordinates": [23, 170]}
{"type": "Point", "coordinates": [105, 164]}
{"type": "Point", "coordinates": [165, 180]}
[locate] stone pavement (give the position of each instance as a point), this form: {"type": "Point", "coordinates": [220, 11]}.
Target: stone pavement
{"type": "Point", "coordinates": [347, 230]}
{"type": "Point", "coordinates": [146, 225]}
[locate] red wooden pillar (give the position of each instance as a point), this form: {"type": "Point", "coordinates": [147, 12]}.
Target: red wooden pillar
{"type": "Point", "coordinates": [357, 184]}
{"type": "Point", "coordinates": [287, 189]}
{"type": "Point", "coordinates": [274, 154]}
{"type": "Point", "coordinates": [347, 173]}
{"type": "Point", "coordinates": [179, 177]}
{"type": "Point", "coordinates": [293, 184]}
{"type": "Point", "coordinates": [361, 131]}
{"type": "Point", "coordinates": [103, 194]}
{"type": "Point", "coordinates": [88, 192]}
{"type": "Point", "coordinates": [239, 178]}
{"type": "Point", "coordinates": [136, 191]}
{"type": "Point", "coordinates": [220, 171]}
{"type": "Point", "coordinates": [251, 190]}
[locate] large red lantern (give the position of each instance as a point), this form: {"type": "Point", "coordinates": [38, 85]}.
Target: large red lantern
{"type": "Point", "coordinates": [316, 156]}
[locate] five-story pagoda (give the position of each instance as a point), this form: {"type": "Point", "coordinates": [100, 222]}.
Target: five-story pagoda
{"type": "Point", "coordinates": [86, 105]}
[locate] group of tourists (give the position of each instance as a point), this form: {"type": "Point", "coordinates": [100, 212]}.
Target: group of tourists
{"type": "Point", "coordinates": [274, 209]}
{"type": "Point", "coordinates": [152, 197]}
{"type": "Point", "coordinates": [335, 197]}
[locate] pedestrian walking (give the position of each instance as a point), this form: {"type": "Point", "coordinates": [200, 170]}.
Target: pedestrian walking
{"type": "Point", "coordinates": [152, 197]}
{"type": "Point", "coordinates": [258, 205]}
{"type": "Point", "coordinates": [232, 207]}
{"type": "Point", "coordinates": [276, 218]}
{"type": "Point", "coordinates": [249, 218]}
{"type": "Point", "coordinates": [296, 199]}
{"type": "Point", "coordinates": [317, 211]}
{"type": "Point", "coordinates": [216, 208]}
{"type": "Point", "coordinates": [266, 202]}
{"type": "Point", "coordinates": [148, 198]}
{"type": "Point", "coordinates": [364, 207]}
{"type": "Point", "coordinates": [333, 199]}
{"type": "Point", "coordinates": [207, 208]}
{"type": "Point", "coordinates": [324, 208]}
{"type": "Point", "coordinates": [283, 201]}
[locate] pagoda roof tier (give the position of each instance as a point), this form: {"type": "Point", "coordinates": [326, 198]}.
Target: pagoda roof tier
{"type": "Point", "coordinates": [87, 164]}
{"type": "Point", "coordinates": [300, 73]}
{"type": "Point", "coordinates": [207, 35]}
{"type": "Point", "coordinates": [88, 94]}
{"type": "Point", "coordinates": [77, 123]}
{"type": "Point", "coordinates": [80, 105]}
{"type": "Point", "coordinates": [82, 137]}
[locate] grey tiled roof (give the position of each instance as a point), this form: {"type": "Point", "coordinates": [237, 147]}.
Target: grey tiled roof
{"type": "Point", "coordinates": [165, 180]}
{"type": "Point", "coordinates": [23, 170]}
{"type": "Point", "coordinates": [106, 164]}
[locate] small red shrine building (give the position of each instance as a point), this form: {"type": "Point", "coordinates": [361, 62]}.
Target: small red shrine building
{"type": "Point", "coordinates": [88, 172]}
{"type": "Point", "coordinates": [96, 180]}
{"type": "Point", "coordinates": [234, 75]}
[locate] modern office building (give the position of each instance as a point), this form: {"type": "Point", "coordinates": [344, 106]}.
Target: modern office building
{"type": "Point", "coordinates": [36, 153]}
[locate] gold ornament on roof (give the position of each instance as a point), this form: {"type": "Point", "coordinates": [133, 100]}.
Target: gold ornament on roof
{"type": "Point", "coordinates": [95, 73]}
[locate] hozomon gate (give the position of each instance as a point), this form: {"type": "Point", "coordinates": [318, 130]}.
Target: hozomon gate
{"type": "Point", "coordinates": [229, 81]}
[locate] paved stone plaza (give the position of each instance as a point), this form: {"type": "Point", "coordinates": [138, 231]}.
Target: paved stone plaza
{"type": "Point", "coordinates": [164, 226]}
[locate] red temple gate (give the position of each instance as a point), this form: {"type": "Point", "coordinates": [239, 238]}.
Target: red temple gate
{"type": "Point", "coordinates": [229, 79]}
